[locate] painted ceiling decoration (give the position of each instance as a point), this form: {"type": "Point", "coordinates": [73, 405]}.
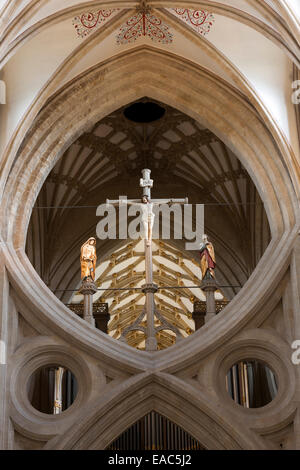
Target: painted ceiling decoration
{"type": "Point", "coordinates": [144, 23]}
{"type": "Point", "coordinates": [200, 20]}
{"type": "Point", "coordinates": [89, 21]}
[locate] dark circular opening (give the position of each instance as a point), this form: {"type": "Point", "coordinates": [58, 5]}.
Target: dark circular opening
{"type": "Point", "coordinates": [52, 389]}
{"type": "Point", "coordinates": [144, 112]}
{"type": "Point", "coordinates": [251, 383]}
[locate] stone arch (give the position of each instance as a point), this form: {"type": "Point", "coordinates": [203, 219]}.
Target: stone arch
{"type": "Point", "coordinates": [64, 118]}
{"type": "Point", "coordinates": [165, 395]}
{"type": "Point", "coordinates": [99, 91]}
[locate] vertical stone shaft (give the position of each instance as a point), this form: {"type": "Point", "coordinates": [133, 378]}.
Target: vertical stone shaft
{"type": "Point", "coordinates": [6, 431]}
{"type": "Point", "coordinates": [88, 288]}
{"type": "Point", "coordinates": [88, 309]}
{"type": "Point", "coordinates": [151, 342]}
{"type": "Point", "coordinates": [209, 286]}
{"type": "Point", "coordinates": [210, 304]}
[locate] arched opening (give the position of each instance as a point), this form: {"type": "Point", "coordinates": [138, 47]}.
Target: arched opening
{"type": "Point", "coordinates": [186, 160]}
{"type": "Point", "coordinates": [260, 285]}
{"type": "Point", "coordinates": [192, 90]}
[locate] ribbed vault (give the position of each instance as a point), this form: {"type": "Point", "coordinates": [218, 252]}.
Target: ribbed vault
{"type": "Point", "coordinates": [106, 160]}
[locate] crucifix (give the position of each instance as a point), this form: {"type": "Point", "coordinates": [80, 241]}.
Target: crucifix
{"type": "Point", "coordinates": [149, 288]}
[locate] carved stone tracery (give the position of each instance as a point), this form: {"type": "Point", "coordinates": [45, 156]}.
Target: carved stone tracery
{"type": "Point", "coordinates": [192, 373]}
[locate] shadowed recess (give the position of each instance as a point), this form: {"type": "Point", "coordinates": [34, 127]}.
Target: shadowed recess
{"type": "Point", "coordinates": [144, 112]}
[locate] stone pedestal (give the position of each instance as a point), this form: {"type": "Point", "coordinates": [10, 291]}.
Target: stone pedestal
{"type": "Point", "coordinates": [88, 288]}
{"type": "Point", "coordinates": [209, 286]}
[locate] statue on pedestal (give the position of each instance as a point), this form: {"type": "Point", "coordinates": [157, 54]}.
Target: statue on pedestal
{"type": "Point", "coordinates": [207, 259]}
{"type": "Point", "coordinates": [88, 259]}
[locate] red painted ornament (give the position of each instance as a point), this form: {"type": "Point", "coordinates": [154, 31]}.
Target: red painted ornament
{"type": "Point", "coordinates": [200, 20]}
{"type": "Point", "coordinates": [144, 24]}
{"type": "Point", "coordinates": [87, 22]}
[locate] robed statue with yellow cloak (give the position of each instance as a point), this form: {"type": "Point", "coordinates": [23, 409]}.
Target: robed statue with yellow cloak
{"type": "Point", "coordinates": [207, 259]}
{"type": "Point", "coordinates": [88, 259]}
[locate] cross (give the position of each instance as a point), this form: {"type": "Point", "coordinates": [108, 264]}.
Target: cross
{"type": "Point", "coordinates": [146, 183]}
{"type": "Point", "coordinates": [149, 288]}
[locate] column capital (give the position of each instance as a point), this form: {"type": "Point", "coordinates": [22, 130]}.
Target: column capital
{"type": "Point", "coordinates": [209, 285]}
{"type": "Point", "coordinates": [88, 287]}
{"type": "Point", "coordinates": [149, 288]}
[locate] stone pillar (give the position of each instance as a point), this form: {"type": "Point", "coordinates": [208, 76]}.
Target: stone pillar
{"type": "Point", "coordinates": [199, 314]}
{"type": "Point", "coordinates": [88, 288]}
{"type": "Point", "coordinates": [209, 286]}
{"type": "Point", "coordinates": [149, 290]}
{"type": "Point", "coordinates": [6, 338]}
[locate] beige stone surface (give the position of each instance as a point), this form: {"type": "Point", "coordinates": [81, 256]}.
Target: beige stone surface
{"type": "Point", "coordinates": [186, 382]}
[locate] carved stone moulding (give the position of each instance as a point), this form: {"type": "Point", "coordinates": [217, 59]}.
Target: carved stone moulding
{"type": "Point", "coordinates": [88, 287]}
{"type": "Point", "coordinates": [149, 288]}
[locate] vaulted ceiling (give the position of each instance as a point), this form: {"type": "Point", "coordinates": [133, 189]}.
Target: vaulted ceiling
{"type": "Point", "coordinates": [251, 47]}
{"type": "Point", "coordinates": [78, 34]}
{"type": "Point", "coordinates": [106, 161]}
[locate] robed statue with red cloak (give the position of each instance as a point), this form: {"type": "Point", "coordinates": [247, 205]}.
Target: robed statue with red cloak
{"type": "Point", "coordinates": [207, 259]}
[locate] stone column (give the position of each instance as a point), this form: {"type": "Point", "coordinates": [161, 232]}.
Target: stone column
{"type": "Point", "coordinates": [149, 290]}
{"type": "Point", "coordinates": [209, 286]}
{"type": "Point", "coordinates": [6, 434]}
{"type": "Point", "coordinates": [88, 288]}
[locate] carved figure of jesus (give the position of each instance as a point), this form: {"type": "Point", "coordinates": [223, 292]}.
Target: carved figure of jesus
{"type": "Point", "coordinates": [147, 215]}
{"type": "Point", "coordinates": [147, 218]}
{"type": "Point", "coordinates": [88, 259]}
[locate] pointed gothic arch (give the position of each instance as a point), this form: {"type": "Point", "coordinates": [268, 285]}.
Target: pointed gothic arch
{"type": "Point", "coordinates": [155, 432]}
{"type": "Point", "coordinates": [191, 89]}
{"type": "Point", "coordinates": [185, 382]}
{"type": "Point", "coordinates": [164, 394]}
{"type": "Point", "coordinates": [143, 72]}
